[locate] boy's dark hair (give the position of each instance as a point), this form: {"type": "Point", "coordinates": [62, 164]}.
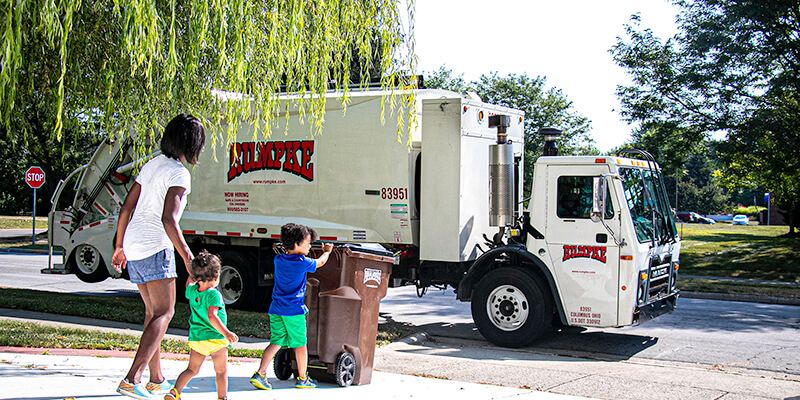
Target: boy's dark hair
{"type": "Point", "coordinates": [183, 136]}
{"type": "Point", "coordinates": [205, 267]}
{"type": "Point", "coordinates": [293, 234]}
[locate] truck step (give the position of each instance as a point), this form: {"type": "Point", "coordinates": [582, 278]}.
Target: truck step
{"type": "Point", "coordinates": [57, 269]}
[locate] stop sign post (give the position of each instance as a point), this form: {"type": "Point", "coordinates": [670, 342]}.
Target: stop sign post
{"type": "Point", "coordinates": [34, 177]}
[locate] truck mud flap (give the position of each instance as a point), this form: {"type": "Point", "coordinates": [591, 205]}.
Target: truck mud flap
{"type": "Point", "coordinates": [656, 308]}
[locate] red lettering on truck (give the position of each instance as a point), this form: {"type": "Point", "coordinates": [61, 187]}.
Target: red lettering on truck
{"type": "Point", "coordinates": [594, 252]}
{"type": "Point", "coordinates": [294, 157]}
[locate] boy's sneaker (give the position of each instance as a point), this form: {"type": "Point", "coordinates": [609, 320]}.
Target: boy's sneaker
{"type": "Point", "coordinates": [137, 391]}
{"type": "Point", "coordinates": [162, 387]}
{"type": "Point", "coordinates": [307, 383]}
{"type": "Point", "coordinates": [260, 381]}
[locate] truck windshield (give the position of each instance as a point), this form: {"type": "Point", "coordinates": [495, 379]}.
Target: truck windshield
{"type": "Point", "coordinates": [649, 211]}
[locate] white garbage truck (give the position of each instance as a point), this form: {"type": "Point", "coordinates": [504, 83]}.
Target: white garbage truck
{"type": "Point", "coordinates": [595, 247]}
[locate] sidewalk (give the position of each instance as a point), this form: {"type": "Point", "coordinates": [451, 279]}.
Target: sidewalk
{"type": "Point", "coordinates": [95, 373]}
{"type": "Point", "coordinates": [31, 376]}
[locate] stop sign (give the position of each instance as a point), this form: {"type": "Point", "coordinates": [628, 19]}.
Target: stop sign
{"type": "Point", "coordinates": [34, 177]}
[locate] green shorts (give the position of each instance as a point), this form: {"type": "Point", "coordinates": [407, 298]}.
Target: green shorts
{"type": "Point", "coordinates": [287, 331]}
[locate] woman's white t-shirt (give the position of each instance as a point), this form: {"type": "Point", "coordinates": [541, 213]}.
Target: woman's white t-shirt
{"type": "Point", "coordinates": [145, 233]}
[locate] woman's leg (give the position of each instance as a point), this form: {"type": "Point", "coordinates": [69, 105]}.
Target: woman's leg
{"type": "Point", "coordinates": [159, 303]}
{"type": "Point", "coordinates": [220, 358]}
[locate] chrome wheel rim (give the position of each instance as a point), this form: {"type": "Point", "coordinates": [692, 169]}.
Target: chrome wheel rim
{"type": "Point", "coordinates": [230, 284]}
{"type": "Point", "coordinates": [507, 308]}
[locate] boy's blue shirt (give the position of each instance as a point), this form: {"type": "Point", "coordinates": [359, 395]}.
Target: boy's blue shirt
{"type": "Point", "coordinates": [290, 284]}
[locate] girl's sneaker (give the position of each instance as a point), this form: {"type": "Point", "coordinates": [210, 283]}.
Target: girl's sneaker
{"type": "Point", "coordinates": [307, 383]}
{"type": "Point", "coordinates": [137, 391]}
{"type": "Point", "coordinates": [162, 387]}
{"type": "Point", "coordinates": [172, 395]}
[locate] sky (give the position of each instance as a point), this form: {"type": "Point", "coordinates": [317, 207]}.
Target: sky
{"type": "Point", "coordinates": [565, 41]}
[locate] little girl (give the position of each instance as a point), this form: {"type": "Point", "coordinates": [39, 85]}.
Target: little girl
{"type": "Point", "coordinates": [208, 334]}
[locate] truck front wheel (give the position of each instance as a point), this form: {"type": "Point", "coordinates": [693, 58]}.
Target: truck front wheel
{"type": "Point", "coordinates": [509, 307]}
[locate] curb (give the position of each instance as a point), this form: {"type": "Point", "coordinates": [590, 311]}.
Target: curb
{"type": "Point", "coordinates": [744, 280]}
{"type": "Point", "coordinates": [746, 298]}
{"type": "Point", "coordinates": [415, 339]}
{"type": "Point", "coordinates": [28, 251]}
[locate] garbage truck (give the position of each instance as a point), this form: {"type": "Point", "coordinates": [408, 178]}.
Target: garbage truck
{"type": "Point", "coordinates": [591, 245]}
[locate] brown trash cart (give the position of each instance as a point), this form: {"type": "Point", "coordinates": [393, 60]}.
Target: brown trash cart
{"type": "Point", "coordinates": [343, 299]}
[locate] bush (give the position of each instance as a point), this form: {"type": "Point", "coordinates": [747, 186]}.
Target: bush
{"type": "Point", "coordinates": [751, 211]}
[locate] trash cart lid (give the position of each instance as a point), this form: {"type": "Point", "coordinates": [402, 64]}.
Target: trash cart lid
{"type": "Point", "coordinates": [369, 248]}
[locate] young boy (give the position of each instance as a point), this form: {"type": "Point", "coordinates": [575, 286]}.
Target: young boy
{"type": "Point", "coordinates": [208, 334]}
{"type": "Point", "coordinates": [287, 313]}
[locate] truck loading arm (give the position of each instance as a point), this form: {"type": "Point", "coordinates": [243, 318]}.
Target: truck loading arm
{"type": "Point", "coordinates": [110, 169]}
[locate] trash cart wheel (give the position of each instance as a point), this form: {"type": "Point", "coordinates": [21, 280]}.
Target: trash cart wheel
{"type": "Point", "coordinates": [345, 369]}
{"type": "Point", "coordinates": [283, 365]}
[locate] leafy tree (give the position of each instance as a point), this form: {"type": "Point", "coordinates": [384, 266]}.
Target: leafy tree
{"type": "Point", "coordinates": [73, 72]}
{"type": "Point", "coordinates": [733, 68]}
{"type": "Point", "coordinates": [698, 190]}
{"type": "Point", "coordinates": [135, 63]}
{"type": "Point", "coordinates": [543, 107]}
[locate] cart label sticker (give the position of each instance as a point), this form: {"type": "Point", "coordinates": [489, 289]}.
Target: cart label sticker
{"type": "Point", "coordinates": [594, 252]}
{"type": "Point", "coordinates": [372, 275]}
{"type": "Point", "coordinates": [294, 157]}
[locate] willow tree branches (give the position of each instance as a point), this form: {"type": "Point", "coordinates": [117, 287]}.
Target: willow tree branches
{"type": "Point", "coordinates": [111, 66]}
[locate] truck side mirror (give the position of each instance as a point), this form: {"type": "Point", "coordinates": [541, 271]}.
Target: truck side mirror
{"type": "Point", "coordinates": [599, 191]}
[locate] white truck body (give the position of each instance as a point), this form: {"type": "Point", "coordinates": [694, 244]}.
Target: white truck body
{"type": "Point", "coordinates": [427, 202]}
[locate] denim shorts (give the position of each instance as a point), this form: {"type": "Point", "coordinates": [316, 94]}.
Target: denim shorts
{"type": "Point", "coordinates": [158, 266]}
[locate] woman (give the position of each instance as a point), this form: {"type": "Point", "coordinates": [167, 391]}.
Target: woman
{"type": "Point", "coordinates": [146, 244]}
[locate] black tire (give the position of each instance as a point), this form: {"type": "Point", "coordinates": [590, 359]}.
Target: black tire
{"type": "Point", "coordinates": [237, 282]}
{"type": "Point", "coordinates": [282, 364]}
{"type": "Point", "coordinates": [345, 369]}
{"type": "Point", "coordinates": [88, 264]}
{"type": "Point", "coordinates": [520, 307]}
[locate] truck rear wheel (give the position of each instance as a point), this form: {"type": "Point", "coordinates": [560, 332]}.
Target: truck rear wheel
{"type": "Point", "coordinates": [236, 281]}
{"type": "Point", "coordinates": [89, 265]}
{"type": "Point", "coordinates": [510, 307]}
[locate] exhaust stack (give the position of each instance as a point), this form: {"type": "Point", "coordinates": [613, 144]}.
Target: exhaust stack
{"type": "Point", "coordinates": [550, 136]}
{"type": "Point", "coordinates": [501, 175]}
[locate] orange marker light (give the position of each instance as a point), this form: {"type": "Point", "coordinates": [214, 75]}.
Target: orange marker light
{"type": "Point", "coordinates": [624, 287]}
{"type": "Point", "coordinates": [677, 267]}
{"type": "Point", "coordinates": [644, 276]}
{"type": "Point", "coordinates": [626, 258]}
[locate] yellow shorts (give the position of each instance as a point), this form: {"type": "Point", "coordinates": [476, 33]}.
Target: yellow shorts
{"type": "Point", "coordinates": [206, 347]}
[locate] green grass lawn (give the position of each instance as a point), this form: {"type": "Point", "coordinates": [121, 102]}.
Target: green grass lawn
{"type": "Point", "coordinates": [9, 222]}
{"type": "Point", "coordinates": [29, 334]}
{"type": "Point", "coordinates": [739, 251]}
{"type": "Point", "coordinates": [131, 310]}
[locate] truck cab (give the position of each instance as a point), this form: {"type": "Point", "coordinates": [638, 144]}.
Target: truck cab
{"type": "Point", "coordinates": [598, 248]}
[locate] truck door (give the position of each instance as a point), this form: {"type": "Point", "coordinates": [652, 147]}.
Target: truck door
{"type": "Point", "coordinates": [584, 255]}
